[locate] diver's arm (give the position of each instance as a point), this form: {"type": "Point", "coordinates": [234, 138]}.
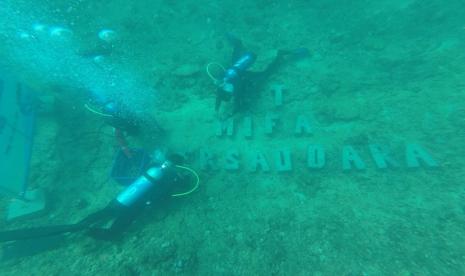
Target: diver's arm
{"type": "Point", "coordinates": [270, 69]}
{"type": "Point", "coordinates": [238, 47]}
{"type": "Point", "coordinates": [111, 210]}
{"type": "Point", "coordinates": [123, 220]}
{"type": "Point", "coordinates": [218, 103]}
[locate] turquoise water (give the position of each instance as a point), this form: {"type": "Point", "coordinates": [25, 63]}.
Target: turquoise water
{"type": "Point", "coordinates": [357, 170]}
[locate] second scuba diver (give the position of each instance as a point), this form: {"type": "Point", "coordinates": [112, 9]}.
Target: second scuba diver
{"type": "Point", "coordinates": [156, 184]}
{"type": "Point", "coordinates": [239, 83]}
{"type": "Point", "coordinates": [121, 120]}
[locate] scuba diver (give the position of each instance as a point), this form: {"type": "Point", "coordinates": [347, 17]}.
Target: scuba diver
{"type": "Point", "coordinates": [157, 183]}
{"type": "Point", "coordinates": [116, 116]}
{"type": "Point", "coordinates": [238, 83]}
{"type": "Point", "coordinates": [124, 122]}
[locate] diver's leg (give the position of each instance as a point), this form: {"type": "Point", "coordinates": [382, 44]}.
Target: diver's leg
{"type": "Point", "coordinates": [121, 223]}
{"type": "Point", "coordinates": [273, 66]}
{"type": "Point", "coordinates": [257, 78]}
{"type": "Point", "coordinates": [38, 232]}
{"type": "Point", "coordinates": [283, 56]}
{"type": "Point", "coordinates": [238, 104]}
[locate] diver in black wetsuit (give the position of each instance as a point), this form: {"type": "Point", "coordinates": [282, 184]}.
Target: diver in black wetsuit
{"type": "Point", "coordinates": [121, 119]}
{"type": "Point", "coordinates": [155, 184]}
{"type": "Point", "coordinates": [239, 83]}
{"type": "Point", "coordinates": [124, 122]}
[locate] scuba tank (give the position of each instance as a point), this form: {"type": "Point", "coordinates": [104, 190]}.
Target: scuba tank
{"type": "Point", "coordinates": [242, 64]}
{"type": "Point", "coordinates": [141, 185]}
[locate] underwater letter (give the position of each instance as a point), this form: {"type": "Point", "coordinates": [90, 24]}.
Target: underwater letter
{"type": "Point", "coordinates": [414, 153]}
{"type": "Point", "coordinates": [316, 157]}
{"type": "Point", "coordinates": [278, 95]}
{"type": "Point", "coordinates": [225, 126]}
{"type": "Point", "coordinates": [302, 125]}
{"type": "Point", "coordinates": [283, 161]}
{"type": "Point", "coordinates": [206, 160]}
{"type": "Point", "coordinates": [381, 156]}
{"type": "Point", "coordinates": [2, 124]}
{"type": "Point", "coordinates": [259, 160]}
{"type": "Point", "coordinates": [351, 157]}
{"type": "Point", "coordinates": [232, 160]}
{"type": "Point", "coordinates": [1, 89]}
{"type": "Point", "coordinates": [270, 123]}
{"type": "Point", "coordinates": [248, 128]}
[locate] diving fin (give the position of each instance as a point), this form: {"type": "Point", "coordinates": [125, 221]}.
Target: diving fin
{"type": "Point", "coordinates": [31, 241]}
{"type": "Point", "coordinates": [40, 232]}
{"type": "Point", "coordinates": [25, 248]}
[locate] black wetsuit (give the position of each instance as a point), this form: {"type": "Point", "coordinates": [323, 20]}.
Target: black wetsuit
{"type": "Point", "coordinates": [124, 120]}
{"type": "Point", "coordinates": [121, 216]}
